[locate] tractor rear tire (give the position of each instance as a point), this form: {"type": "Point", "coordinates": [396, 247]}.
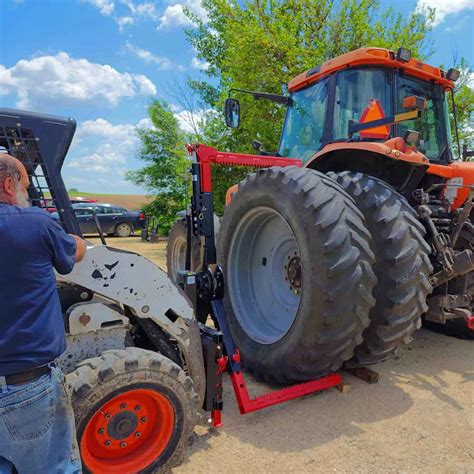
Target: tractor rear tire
{"type": "Point", "coordinates": [135, 411]}
{"type": "Point", "coordinates": [402, 266]}
{"type": "Point", "coordinates": [176, 250]}
{"type": "Point", "coordinates": [299, 277]}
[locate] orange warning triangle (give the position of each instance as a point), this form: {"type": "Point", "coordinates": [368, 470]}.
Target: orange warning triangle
{"type": "Point", "coordinates": [373, 112]}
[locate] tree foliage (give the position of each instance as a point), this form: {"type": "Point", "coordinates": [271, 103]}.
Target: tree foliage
{"type": "Point", "coordinates": [166, 165]}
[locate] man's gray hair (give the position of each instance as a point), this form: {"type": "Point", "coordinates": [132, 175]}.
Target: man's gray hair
{"type": "Point", "coordinates": [8, 167]}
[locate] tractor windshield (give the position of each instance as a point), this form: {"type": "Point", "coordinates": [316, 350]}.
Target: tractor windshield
{"type": "Point", "coordinates": [431, 123]}
{"type": "Point", "coordinates": [304, 125]}
{"type": "Point", "coordinates": [322, 112]}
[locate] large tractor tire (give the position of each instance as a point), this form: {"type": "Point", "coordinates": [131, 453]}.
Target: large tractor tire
{"type": "Point", "coordinates": [299, 279]}
{"type": "Point", "coordinates": [135, 411]}
{"type": "Point", "coordinates": [402, 266]}
{"type": "Point", "coordinates": [176, 250]}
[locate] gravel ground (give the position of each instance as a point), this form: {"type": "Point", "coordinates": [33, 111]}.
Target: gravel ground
{"type": "Point", "coordinates": [418, 418]}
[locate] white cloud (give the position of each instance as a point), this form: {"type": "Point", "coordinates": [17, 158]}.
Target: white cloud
{"type": "Point", "coordinates": [106, 7]}
{"type": "Point", "coordinates": [197, 64]}
{"type": "Point", "coordinates": [444, 8]}
{"type": "Point", "coordinates": [161, 61]}
{"type": "Point", "coordinates": [174, 14]}
{"type": "Point", "coordinates": [145, 10]}
{"type": "Point", "coordinates": [123, 21]}
{"type": "Point", "coordinates": [48, 80]}
{"type": "Point", "coordinates": [189, 121]}
{"type": "Point", "coordinates": [102, 147]}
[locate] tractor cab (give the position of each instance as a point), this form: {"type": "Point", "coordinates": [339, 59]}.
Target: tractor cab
{"type": "Point", "coordinates": [340, 100]}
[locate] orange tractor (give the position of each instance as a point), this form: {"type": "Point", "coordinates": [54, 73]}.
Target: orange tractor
{"type": "Point", "coordinates": [337, 262]}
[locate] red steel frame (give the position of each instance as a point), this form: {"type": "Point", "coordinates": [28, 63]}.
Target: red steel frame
{"type": "Point", "coordinates": [205, 156]}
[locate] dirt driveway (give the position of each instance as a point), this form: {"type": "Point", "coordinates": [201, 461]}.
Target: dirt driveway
{"type": "Point", "coordinates": [418, 418]}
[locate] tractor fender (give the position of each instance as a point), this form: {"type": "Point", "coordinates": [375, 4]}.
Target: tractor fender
{"type": "Point", "coordinates": [134, 281]}
{"type": "Point", "coordinates": [395, 149]}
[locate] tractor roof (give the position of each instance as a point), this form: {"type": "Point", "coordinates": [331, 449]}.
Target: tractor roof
{"type": "Point", "coordinates": [370, 57]}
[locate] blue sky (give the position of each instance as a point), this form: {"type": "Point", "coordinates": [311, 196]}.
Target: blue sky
{"type": "Point", "coordinates": [101, 61]}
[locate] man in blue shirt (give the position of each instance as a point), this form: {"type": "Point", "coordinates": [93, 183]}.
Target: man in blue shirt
{"type": "Point", "coordinates": [37, 431]}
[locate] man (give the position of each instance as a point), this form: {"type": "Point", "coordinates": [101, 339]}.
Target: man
{"type": "Point", "coordinates": [37, 431]}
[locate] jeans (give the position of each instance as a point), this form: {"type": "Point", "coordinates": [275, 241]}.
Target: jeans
{"type": "Point", "coordinates": [37, 429]}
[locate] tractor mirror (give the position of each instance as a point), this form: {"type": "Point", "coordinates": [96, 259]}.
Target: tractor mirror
{"type": "Point", "coordinates": [414, 102]}
{"type": "Point", "coordinates": [232, 113]}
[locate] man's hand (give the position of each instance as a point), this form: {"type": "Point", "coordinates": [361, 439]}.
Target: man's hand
{"type": "Point", "coordinates": [81, 247]}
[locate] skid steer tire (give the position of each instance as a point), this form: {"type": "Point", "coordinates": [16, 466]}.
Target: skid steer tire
{"type": "Point", "coordinates": [176, 250]}
{"type": "Point", "coordinates": [299, 277]}
{"type": "Point", "coordinates": [402, 266]}
{"type": "Point", "coordinates": [135, 411]}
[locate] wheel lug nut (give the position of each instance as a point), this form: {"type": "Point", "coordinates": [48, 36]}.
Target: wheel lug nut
{"type": "Point", "coordinates": [137, 434]}
{"type": "Point", "coordinates": [108, 416]}
{"type": "Point", "coordinates": [123, 444]}
{"type": "Point", "coordinates": [138, 408]}
{"type": "Point", "coordinates": [123, 406]}
{"type": "Point", "coordinates": [143, 419]}
{"type": "Point", "coordinates": [101, 431]}
{"type": "Point", "coordinates": [108, 443]}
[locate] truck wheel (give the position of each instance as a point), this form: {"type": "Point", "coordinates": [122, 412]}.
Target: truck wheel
{"type": "Point", "coordinates": [299, 281]}
{"type": "Point", "coordinates": [176, 250]}
{"type": "Point", "coordinates": [123, 230]}
{"type": "Point", "coordinates": [402, 266]}
{"type": "Point", "coordinates": [135, 410]}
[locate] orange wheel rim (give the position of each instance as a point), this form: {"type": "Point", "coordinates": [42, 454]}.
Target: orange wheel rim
{"type": "Point", "coordinates": [128, 433]}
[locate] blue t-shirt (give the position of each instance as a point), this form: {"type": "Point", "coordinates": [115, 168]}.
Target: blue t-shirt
{"type": "Point", "coordinates": [32, 244]}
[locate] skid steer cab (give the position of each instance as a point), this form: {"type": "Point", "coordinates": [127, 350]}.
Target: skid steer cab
{"type": "Point", "coordinates": [141, 369]}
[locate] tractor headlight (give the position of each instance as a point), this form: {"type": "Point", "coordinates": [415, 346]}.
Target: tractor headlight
{"type": "Point", "coordinates": [403, 54]}
{"type": "Point", "coordinates": [452, 74]}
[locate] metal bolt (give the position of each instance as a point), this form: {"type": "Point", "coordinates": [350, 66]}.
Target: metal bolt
{"type": "Point", "coordinates": [145, 309]}
{"type": "Point", "coordinates": [138, 408]}
{"type": "Point", "coordinates": [108, 416]}
{"type": "Point", "coordinates": [123, 444]}
{"type": "Point", "coordinates": [137, 434]}
{"type": "Point", "coordinates": [143, 419]}
{"type": "Point", "coordinates": [101, 431]}
{"type": "Point", "coordinates": [108, 443]}
{"type": "Point", "coordinates": [123, 406]}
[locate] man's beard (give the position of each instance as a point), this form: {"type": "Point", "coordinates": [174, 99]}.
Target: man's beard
{"type": "Point", "coordinates": [22, 198]}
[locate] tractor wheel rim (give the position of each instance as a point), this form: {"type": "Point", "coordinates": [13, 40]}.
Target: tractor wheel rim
{"type": "Point", "coordinates": [264, 275]}
{"type": "Point", "coordinates": [179, 256]}
{"type": "Point", "coordinates": [128, 432]}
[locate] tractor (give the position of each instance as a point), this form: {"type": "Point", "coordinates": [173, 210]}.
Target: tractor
{"type": "Point", "coordinates": [339, 261]}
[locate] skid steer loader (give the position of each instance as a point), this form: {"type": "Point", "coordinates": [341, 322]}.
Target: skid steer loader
{"type": "Point", "coordinates": [338, 262]}
{"type": "Point", "coordinates": [141, 369]}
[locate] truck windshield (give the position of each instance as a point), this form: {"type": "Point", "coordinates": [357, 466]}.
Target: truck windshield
{"type": "Point", "coordinates": [431, 123]}
{"type": "Point", "coordinates": [302, 134]}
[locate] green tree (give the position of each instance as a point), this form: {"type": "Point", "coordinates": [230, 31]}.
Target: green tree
{"type": "Point", "coordinates": [165, 172]}
{"type": "Point", "coordinates": [262, 44]}
{"type": "Point", "coordinates": [464, 98]}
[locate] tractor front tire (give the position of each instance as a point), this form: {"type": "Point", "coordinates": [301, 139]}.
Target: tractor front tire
{"type": "Point", "coordinates": [176, 250]}
{"type": "Point", "coordinates": [402, 266]}
{"type": "Point", "coordinates": [135, 411]}
{"type": "Point", "coordinates": [299, 277]}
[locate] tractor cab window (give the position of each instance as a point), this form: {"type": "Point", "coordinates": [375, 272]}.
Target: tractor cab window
{"type": "Point", "coordinates": [362, 95]}
{"type": "Point", "coordinates": [430, 124]}
{"type": "Point", "coordinates": [304, 125]}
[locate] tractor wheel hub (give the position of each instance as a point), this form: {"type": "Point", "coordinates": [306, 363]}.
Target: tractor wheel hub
{"type": "Point", "coordinates": [122, 425]}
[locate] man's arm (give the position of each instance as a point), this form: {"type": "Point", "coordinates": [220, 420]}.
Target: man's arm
{"type": "Point", "coordinates": [81, 247]}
